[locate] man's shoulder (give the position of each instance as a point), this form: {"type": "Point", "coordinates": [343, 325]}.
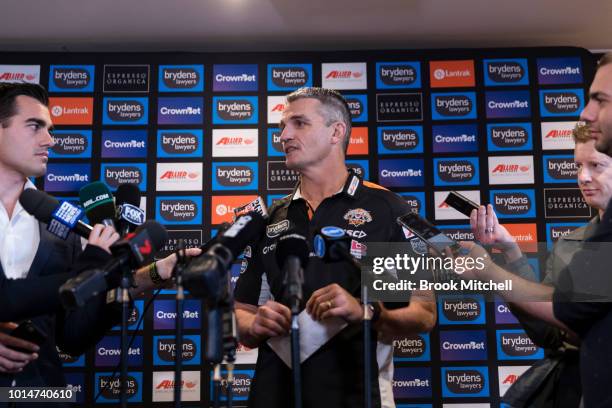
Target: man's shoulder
{"type": "Point", "coordinates": [378, 193]}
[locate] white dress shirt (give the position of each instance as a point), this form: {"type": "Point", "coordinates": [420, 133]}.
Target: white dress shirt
{"type": "Point", "coordinates": [19, 239]}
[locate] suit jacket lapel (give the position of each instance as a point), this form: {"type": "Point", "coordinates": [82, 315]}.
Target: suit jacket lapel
{"type": "Point", "coordinates": [44, 250]}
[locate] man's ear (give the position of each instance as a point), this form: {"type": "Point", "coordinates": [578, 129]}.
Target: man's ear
{"type": "Point", "coordinates": [338, 135]}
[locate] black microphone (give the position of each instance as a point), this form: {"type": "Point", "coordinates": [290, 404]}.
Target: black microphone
{"type": "Point", "coordinates": [99, 203]}
{"type": "Point", "coordinates": [292, 256]}
{"type": "Point", "coordinates": [332, 244]}
{"type": "Point", "coordinates": [133, 251]}
{"type": "Point", "coordinates": [45, 208]}
{"type": "Point", "coordinates": [129, 214]}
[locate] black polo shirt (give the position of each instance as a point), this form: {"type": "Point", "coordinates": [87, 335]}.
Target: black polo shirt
{"type": "Point", "coordinates": [333, 375]}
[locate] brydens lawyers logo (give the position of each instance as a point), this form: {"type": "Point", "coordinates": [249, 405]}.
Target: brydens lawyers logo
{"type": "Point", "coordinates": [20, 73]}
{"type": "Point", "coordinates": [516, 345]}
{"type": "Point", "coordinates": [557, 135]}
{"type": "Point", "coordinates": [360, 167]}
{"type": "Point", "coordinates": [164, 314]}
{"type": "Point", "coordinates": [455, 171]}
{"type": "Point", "coordinates": [238, 77]}
{"type": "Point", "coordinates": [234, 176]}
{"type": "Point", "coordinates": [397, 107]}
{"type": "Point", "coordinates": [567, 70]}
{"type": "Point", "coordinates": [508, 375]}
{"type": "Point", "coordinates": [235, 110]}
{"type": "Point", "coordinates": [279, 177]}
{"type": "Point", "coordinates": [235, 143]}
{"type": "Point", "coordinates": [125, 111]}
{"type": "Point", "coordinates": [179, 177]}
{"type": "Point", "coordinates": [454, 309]}
{"type": "Point", "coordinates": [509, 136]}
{"type": "Point", "coordinates": [164, 385]}
{"type": "Point", "coordinates": [561, 102]}
{"type": "Point", "coordinates": [181, 78]}
{"type": "Point", "coordinates": [179, 143]}
{"type": "Point", "coordinates": [397, 75]}
{"type": "Point", "coordinates": [71, 144]}
{"type": "Point", "coordinates": [287, 77]}
{"type": "Point", "coordinates": [115, 174]}
{"type": "Point", "coordinates": [456, 105]}
{"type": "Point", "coordinates": [358, 142]}
{"type": "Point", "coordinates": [71, 111]}
{"type": "Point", "coordinates": [463, 345]}
{"type": "Point", "coordinates": [165, 350]}
{"type": "Point", "coordinates": [559, 169]}
{"type": "Point", "coordinates": [412, 382]}
{"type": "Point", "coordinates": [71, 78]}
{"type": "Point", "coordinates": [71, 361]}
{"type": "Point", "coordinates": [126, 78]}
{"type": "Point", "coordinates": [443, 211]}
{"type": "Point", "coordinates": [525, 235]}
{"type": "Point", "coordinates": [449, 74]}
{"type": "Point", "coordinates": [275, 147]}
{"type": "Point", "coordinates": [565, 203]}
{"type": "Point", "coordinates": [133, 316]}
{"type": "Point", "coordinates": [508, 104]}
{"type": "Point", "coordinates": [413, 347]}
{"type": "Point", "coordinates": [506, 72]}
{"type": "Point", "coordinates": [458, 232]}
{"type": "Point", "coordinates": [180, 111]}
{"type": "Point", "coordinates": [511, 170]}
{"type": "Point", "coordinates": [400, 139]}
{"type": "Point", "coordinates": [179, 210]}
{"type": "Point", "coordinates": [401, 172]}
{"type": "Point", "coordinates": [276, 106]}
{"type": "Point", "coordinates": [66, 177]}
{"type": "Point", "coordinates": [465, 382]}
{"type": "Point", "coordinates": [240, 386]}
{"type": "Point", "coordinates": [108, 352]}
{"type": "Point", "coordinates": [349, 75]}
{"type": "Point", "coordinates": [555, 232]}
{"type": "Point", "coordinates": [109, 387]}
{"type": "Point", "coordinates": [222, 207]}
{"type": "Point", "coordinates": [358, 106]}
{"type": "Point", "coordinates": [124, 143]}
{"type": "Point", "coordinates": [455, 138]}
{"type": "Point", "coordinates": [513, 203]}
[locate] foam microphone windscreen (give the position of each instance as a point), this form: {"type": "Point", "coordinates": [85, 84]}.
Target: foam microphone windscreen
{"type": "Point", "coordinates": [292, 245]}
{"type": "Point", "coordinates": [157, 233]}
{"type": "Point", "coordinates": [38, 203]}
{"type": "Point", "coordinates": [97, 200]}
{"type": "Point", "coordinates": [127, 193]}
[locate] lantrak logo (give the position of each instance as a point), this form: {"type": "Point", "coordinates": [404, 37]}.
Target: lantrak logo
{"type": "Point", "coordinates": [349, 75]}
{"type": "Point", "coordinates": [20, 73]}
{"type": "Point", "coordinates": [415, 200]}
{"type": "Point", "coordinates": [126, 111]}
{"type": "Point", "coordinates": [398, 75]}
{"type": "Point", "coordinates": [126, 78]}
{"type": "Point", "coordinates": [179, 210]}
{"type": "Point", "coordinates": [179, 143]}
{"type": "Point", "coordinates": [124, 143]}
{"type": "Point", "coordinates": [180, 111]}
{"type": "Point", "coordinates": [465, 382]}
{"type": "Point", "coordinates": [239, 77]}
{"type": "Point", "coordinates": [181, 78]}
{"type": "Point", "coordinates": [275, 147]}
{"type": "Point", "coordinates": [399, 107]}
{"type": "Point", "coordinates": [71, 111]}
{"type": "Point", "coordinates": [451, 106]}
{"type": "Point", "coordinates": [412, 382]}
{"type": "Point", "coordinates": [454, 309]}
{"type": "Point", "coordinates": [164, 385]}
{"type": "Point", "coordinates": [450, 74]}
{"type": "Point", "coordinates": [560, 169]}
{"type": "Point", "coordinates": [400, 139]}
{"type": "Point", "coordinates": [509, 136]}
{"type": "Point", "coordinates": [108, 352]}
{"type": "Point", "coordinates": [455, 138]}
{"type": "Point", "coordinates": [508, 104]}
{"type": "Point", "coordinates": [360, 167]}
{"type": "Point", "coordinates": [287, 77]}
{"type": "Point", "coordinates": [235, 110]}
{"type": "Point", "coordinates": [565, 203]}
{"type": "Point", "coordinates": [111, 387]}
{"type": "Point", "coordinates": [276, 107]}
{"type": "Point", "coordinates": [516, 345]}
{"type": "Point", "coordinates": [463, 345]}
{"type": "Point", "coordinates": [561, 102]}
{"type": "Point", "coordinates": [165, 350]}
{"type": "Point", "coordinates": [235, 143]}
{"type": "Point", "coordinates": [513, 203]}
{"type": "Point", "coordinates": [358, 142]}
{"type": "Point", "coordinates": [222, 207]}
{"type": "Point", "coordinates": [558, 135]}
{"type": "Point", "coordinates": [443, 211]}
{"type": "Point", "coordinates": [115, 174]}
{"type": "Point", "coordinates": [164, 314]}
{"type": "Point", "coordinates": [508, 375]}
{"type": "Point", "coordinates": [506, 72]}
{"type": "Point", "coordinates": [411, 348]}
{"type": "Point", "coordinates": [456, 171]}
{"type": "Point", "coordinates": [235, 176]}
{"type": "Point", "coordinates": [179, 177]}
{"type": "Point", "coordinates": [556, 231]}
{"type": "Point", "coordinates": [358, 106]}
{"type": "Point", "coordinates": [71, 144]}
{"type": "Point", "coordinates": [511, 170]}
{"type": "Point", "coordinates": [71, 78]}
{"type": "Point", "coordinates": [553, 71]}
{"type": "Point", "coordinates": [401, 172]}
{"type": "Point", "coordinates": [66, 177]}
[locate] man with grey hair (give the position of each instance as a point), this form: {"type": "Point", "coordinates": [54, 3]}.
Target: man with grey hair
{"type": "Point", "coordinates": [315, 131]}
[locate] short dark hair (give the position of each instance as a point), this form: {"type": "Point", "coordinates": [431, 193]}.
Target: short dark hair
{"type": "Point", "coordinates": [335, 107]}
{"type": "Point", "coordinates": [605, 60]}
{"type": "Point", "coordinates": [10, 91]}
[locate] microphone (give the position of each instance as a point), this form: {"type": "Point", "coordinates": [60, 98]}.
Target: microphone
{"type": "Point", "coordinates": [133, 251]}
{"type": "Point", "coordinates": [48, 210]}
{"type": "Point", "coordinates": [99, 203]}
{"type": "Point", "coordinates": [257, 205]}
{"type": "Point", "coordinates": [129, 214]}
{"type": "Point", "coordinates": [332, 244]}
{"type": "Point", "coordinates": [292, 256]}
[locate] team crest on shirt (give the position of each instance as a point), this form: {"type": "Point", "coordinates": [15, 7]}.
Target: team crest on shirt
{"type": "Point", "coordinates": [357, 217]}
{"type": "Point", "coordinates": [418, 245]}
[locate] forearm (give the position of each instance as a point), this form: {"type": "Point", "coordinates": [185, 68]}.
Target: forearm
{"type": "Point", "coordinates": [418, 317]}
{"type": "Point", "coordinates": [245, 316]}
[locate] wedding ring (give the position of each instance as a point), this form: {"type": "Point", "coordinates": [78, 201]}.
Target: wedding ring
{"type": "Point", "coordinates": [489, 230]}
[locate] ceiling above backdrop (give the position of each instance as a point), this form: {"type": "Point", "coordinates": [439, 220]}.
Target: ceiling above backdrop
{"type": "Point", "coordinates": [283, 25]}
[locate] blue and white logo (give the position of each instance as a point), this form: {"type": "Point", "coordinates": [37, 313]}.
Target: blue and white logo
{"type": "Point", "coordinates": [508, 104]}
{"type": "Point", "coordinates": [71, 144]}
{"type": "Point", "coordinates": [509, 136]}
{"type": "Point", "coordinates": [516, 345]}
{"type": "Point", "coordinates": [67, 177]}
{"type": "Point", "coordinates": [179, 143]}
{"type": "Point", "coordinates": [513, 203]}
{"type": "Point", "coordinates": [561, 102]}
{"type": "Point", "coordinates": [506, 72]}
{"type": "Point", "coordinates": [124, 143]}
{"type": "Point", "coordinates": [235, 77]}
{"type": "Point", "coordinates": [398, 75]}
{"type": "Point", "coordinates": [465, 382]}
{"type": "Point", "coordinates": [358, 107]}
{"type": "Point", "coordinates": [235, 110]}
{"type": "Point", "coordinates": [181, 78]}
{"type": "Point", "coordinates": [463, 345]}
{"type": "Point", "coordinates": [453, 106]}
{"type": "Point", "coordinates": [401, 172]}
{"type": "Point", "coordinates": [125, 111]}
{"type": "Point", "coordinates": [178, 210]}
{"type": "Point", "coordinates": [180, 111]}
{"type": "Point", "coordinates": [235, 176]}
{"type": "Point", "coordinates": [456, 171]}
{"type": "Point", "coordinates": [455, 138]}
{"type": "Point", "coordinates": [71, 78]}
{"type": "Point", "coordinates": [400, 139]}
{"type": "Point", "coordinates": [288, 77]}
{"type": "Point", "coordinates": [566, 70]}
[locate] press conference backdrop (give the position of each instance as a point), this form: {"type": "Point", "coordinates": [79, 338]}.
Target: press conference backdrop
{"type": "Point", "coordinates": [199, 135]}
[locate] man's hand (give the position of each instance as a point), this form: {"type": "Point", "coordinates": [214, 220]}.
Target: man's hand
{"type": "Point", "coordinates": [489, 231]}
{"type": "Point", "coordinates": [271, 320]}
{"type": "Point", "coordinates": [166, 265]}
{"type": "Point", "coordinates": [12, 361]}
{"type": "Point", "coordinates": [103, 236]}
{"type": "Point", "coordinates": [334, 301]}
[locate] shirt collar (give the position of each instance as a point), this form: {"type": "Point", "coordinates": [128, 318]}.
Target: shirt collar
{"type": "Point", "coordinates": [350, 187]}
